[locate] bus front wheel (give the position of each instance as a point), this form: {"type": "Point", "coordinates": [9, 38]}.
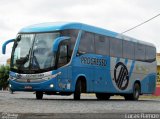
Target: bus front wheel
{"type": "Point", "coordinates": [135, 94]}
{"type": "Point", "coordinates": [78, 90]}
{"type": "Point", "coordinates": [39, 95]}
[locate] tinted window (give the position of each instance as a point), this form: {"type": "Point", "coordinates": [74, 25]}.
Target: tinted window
{"type": "Point", "coordinates": [128, 49]}
{"type": "Point", "coordinates": [115, 47]}
{"type": "Point", "coordinates": [73, 34]}
{"type": "Point", "coordinates": [87, 43]}
{"type": "Point", "coordinates": [150, 53]}
{"type": "Point", "coordinates": [102, 45]}
{"type": "Point", "coordinates": [140, 52]}
{"type": "Point", "coordinates": [62, 60]}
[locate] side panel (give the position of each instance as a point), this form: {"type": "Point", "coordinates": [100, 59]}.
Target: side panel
{"type": "Point", "coordinates": [122, 76]}
{"type": "Point", "coordinates": [64, 81]}
{"type": "Point", "coordinates": [102, 82]}
{"type": "Point", "coordinates": [149, 79]}
{"type": "Point", "coordinates": [118, 75]}
{"type": "Point", "coordinates": [81, 67]}
{"type": "Point", "coordinates": [144, 72]}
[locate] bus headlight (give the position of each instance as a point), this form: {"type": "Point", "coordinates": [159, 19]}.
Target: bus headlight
{"type": "Point", "coordinates": [10, 85]}
{"type": "Point", "coordinates": [51, 85]}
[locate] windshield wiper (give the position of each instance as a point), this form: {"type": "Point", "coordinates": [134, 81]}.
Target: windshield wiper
{"type": "Point", "coordinates": [34, 63]}
{"type": "Point", "coordinates": [22, 60]}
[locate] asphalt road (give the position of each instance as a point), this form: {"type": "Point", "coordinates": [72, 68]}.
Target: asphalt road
{"type": "Point", "coordinates": [24, 104]}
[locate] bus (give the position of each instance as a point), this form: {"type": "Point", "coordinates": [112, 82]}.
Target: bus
{"type": "Point", "coordinates": [65, 58]}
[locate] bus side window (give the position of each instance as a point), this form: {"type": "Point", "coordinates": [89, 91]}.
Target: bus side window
{"type": "Point", "coordinates": [140, 52]}
{"type": "Point", "coordinates": [150, 54]}
{"type": "Point", "coordinates": [101, 45]}
{"type": "Point", "coordinates": [128, 49]}
{"type": "Point", "coordinates": [63, 55]}
{"type": "Point", "coordinates": [87, 43]}
{"type": "Point", "coordinates": [115, 47]}
{"type": "Point", "coordinates": [73, 33]}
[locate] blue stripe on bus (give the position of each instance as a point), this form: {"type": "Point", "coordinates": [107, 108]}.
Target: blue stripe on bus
{"type": "Point", "coordinates": [126, 61]}
{"type": "Point", "coordinates": [131, 69]}
{"type": "Point", "coordinates": [118, 59]}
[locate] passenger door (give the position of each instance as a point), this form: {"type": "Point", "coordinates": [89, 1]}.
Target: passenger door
{"type": "Point", "coordinates": [63, 67]}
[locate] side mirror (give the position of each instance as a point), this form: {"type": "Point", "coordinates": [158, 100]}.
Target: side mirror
{"type": "Point", "coordinates": [57, 41]}
{"type": "Point", "coordinates": [5, 44]}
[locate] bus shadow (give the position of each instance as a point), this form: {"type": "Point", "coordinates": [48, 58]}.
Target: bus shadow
{"type": "Point", "coordinates": [110, 100]}
{"type": "Point", "coordinates": [93, 100]}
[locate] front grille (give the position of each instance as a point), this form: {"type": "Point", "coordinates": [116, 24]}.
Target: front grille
{"type": "Point", "coordinates": [29, 80]}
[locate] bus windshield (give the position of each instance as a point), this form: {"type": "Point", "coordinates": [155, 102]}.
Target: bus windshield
{"type": "Point", "coordinates": [33, 52]}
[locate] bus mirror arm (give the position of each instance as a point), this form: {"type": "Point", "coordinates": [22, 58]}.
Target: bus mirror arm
{"type": "Point", "coordinates": [5, 44]}
{"type": "Point", "coordinates": [57, 41]}
{"type": "Point", "coordinates": [79, 53]}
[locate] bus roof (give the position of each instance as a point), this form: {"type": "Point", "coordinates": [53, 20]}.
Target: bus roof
{"type": "Point", "coordinates": [56, 26]}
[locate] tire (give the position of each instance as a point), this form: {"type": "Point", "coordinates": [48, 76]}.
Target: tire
{"type": "Point", "coordinates": [39, 95]}
{"type": "Point", "coordinates": [11, 91]}
{"type": "Point", "coordinates": [78, 90]}
{"type": "Point", "coordinates": [136, 93]}
{"type": "Point", "coordinates": [102, 96]}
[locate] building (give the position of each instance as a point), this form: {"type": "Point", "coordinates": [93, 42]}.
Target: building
{"type": "Point", "coordinates": [158, 75]}
{"type": "Point", "coordinates": [8, 61]}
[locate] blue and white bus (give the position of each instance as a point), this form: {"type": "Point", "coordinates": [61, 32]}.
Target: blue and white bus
{"type": "Point", "coordinates": [75, 58]}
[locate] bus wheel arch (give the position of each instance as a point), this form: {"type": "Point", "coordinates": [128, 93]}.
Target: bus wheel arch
{"type": "Point", "coordinates": [80, 87]}
{"type": "Point", "coordinates": [135, 93]}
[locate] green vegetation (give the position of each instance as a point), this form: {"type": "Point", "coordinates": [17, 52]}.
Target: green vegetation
{"type": "Point", "coordinates": [4, 75]}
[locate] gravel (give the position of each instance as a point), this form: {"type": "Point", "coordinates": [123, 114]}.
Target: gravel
{"type": "Point", "coordinates": [25, 102]}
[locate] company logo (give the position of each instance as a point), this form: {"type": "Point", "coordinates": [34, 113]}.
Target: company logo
{"type": "Point", "coordinates": [121, 77]}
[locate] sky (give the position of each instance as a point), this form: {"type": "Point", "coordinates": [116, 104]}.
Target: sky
{"type": "Point", "coordinates": [114, 15]}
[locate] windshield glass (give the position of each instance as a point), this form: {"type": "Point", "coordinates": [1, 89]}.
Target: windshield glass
{"type": "Point", "coordinates": [43, 56]}
{"type": "Point", "coordinates": [22, 48]}
{"type": "Point", "coordinates": [33, 51]}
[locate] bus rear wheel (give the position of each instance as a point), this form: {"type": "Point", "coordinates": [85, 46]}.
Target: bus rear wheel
{"type": "Point", "coordinates": [78, 90]}
{"type": "Point", "coordinates": [135, 94]}
{"type": "Point", "coordinates": [39, 95]}
{"type": "Point", "coordinates": [102, 96]}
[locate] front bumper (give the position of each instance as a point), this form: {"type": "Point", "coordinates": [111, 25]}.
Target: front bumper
{"type": "Point", "coordinates": [48, 85]}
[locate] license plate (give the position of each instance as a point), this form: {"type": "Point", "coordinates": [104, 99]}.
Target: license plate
{"type": "Point", "coordinates": [28, 87]}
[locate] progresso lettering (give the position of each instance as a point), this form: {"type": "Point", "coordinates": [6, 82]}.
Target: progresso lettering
{"type": "Point", "coordinates": [93, 61]}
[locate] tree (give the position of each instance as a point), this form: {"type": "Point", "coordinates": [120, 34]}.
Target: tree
{"type": "Point", "coordinates": [4, 75]}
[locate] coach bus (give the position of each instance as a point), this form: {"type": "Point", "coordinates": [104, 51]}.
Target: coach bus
{"type": "Point", "coordinates": [74, 58]}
